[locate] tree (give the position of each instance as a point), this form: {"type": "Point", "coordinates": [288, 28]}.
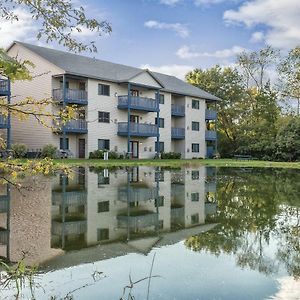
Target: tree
{"type": "Point", "coordinates": [58, 21]}
{"type": "Point", "coordinates": [289, 71]}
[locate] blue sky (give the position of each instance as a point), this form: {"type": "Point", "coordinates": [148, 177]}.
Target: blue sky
{"type": "Point", "coordinates": [174, 36]}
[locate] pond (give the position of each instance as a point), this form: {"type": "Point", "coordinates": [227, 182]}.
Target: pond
{"type": "Point", "coordinates": [155, 233]}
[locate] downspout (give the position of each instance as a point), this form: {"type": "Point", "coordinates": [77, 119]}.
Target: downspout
{"type": "Point", "coordinates": [8, 137]}
{"type": "Point", "coordinates": [128, 121]}
{"type": "Point", "coordinates": [157, 124]}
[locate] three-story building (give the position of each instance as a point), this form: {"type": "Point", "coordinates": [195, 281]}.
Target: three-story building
{"type": "Point", "coordinates": [120, 108]}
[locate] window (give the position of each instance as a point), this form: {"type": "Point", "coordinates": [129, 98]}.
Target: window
{"type": "Point", "coordinates": [161, 98]}
{"type": "Point", "coordinates": [61, 141]}
{"type": "Point", "coordinates": [195, 197]}
{"type": "Point", "coordinates": [103, 117]}
{"type": "Point", "coordinates": [195, 218]}
{"type": "Point", "coordinates": [195, 104]}
{"type": "Point", "coordinates": [103, 89]}
{"type": "Point", "coordinates": [159, 201]}
{"type": "Point", "coordinates": [67, 84]}
{"type": "Point", "coordinates": [102, 179]}
{"type": "Point", "coordinates": [195, 148]}
{"type": "Point", "coordinates": [195, 175]}
{"type": "Point", "coordinates": [63, 180]}
{"type": "Point", "coordinates": [161, 122]}
{"type": "Point", "coordinates": [103, 144]}
{"type": "Point", "coordinates": [103, 206]}
{"type": "Point", "coordinates": [161, 147]}
{"type": "Point", "coordinates": [102, 234]}
{"type": "Point", "coordinates": [195, 126]}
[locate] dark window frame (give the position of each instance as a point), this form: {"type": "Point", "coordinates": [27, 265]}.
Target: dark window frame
{"type": "Point", "coordinates": [197, 150]}
{"type": "Point", "coordinates": [195, 126]}
{"type": "Point", "coordinates": [103, 117]}
{"type": "Point", "coordinates": [161, 122]}
{"type": "Point", "coordinates": [161, 147]}
{"type": "Point", "coordinates": [61, 143]}
{"type": "Point", "coordinates": [103, 206]}
{"type": "Point", "coordinates": [106, 144]}
{"type": "Point", "coordinates": [103, 89]}
{"type": "Point", "coordinates": [195, 104]}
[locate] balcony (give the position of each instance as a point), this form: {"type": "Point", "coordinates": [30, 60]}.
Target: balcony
{"type": "Point", "coordinates": [210, 115]}
{"type": "Point", "coordinates": [210, 151]}
{"type": "Point", "coordinates": [75, 227]}
{"type": "Point", "coordinates": [4, 87]}
{"type": "Point", "coordinates": [72, 96]}
{"type": "Point", "coordinates": [210, 135]}
{"type": "Point", "coordinates": [178, 110]}
{"type": "Point", "coordinates": [177, 133]}
{"type": "Point", "coordinates": [210, 187]}
{"type": "Point", "coordinates": [3, 122]}
{"type": "Point", "coordinates": [210, 208]}
{"type": "Point", "coordinates": [137, 129]}
{"type": "Point", "coordinates": [73, 126]}
{"type": "Point", "coordinates": [141, 220]}
{"type": "Point", "coordinates": [136, 194]}
{"type": "Point", "coordinates": [71, 198]}
{"type": "Point", "coordinates": [138, 103]}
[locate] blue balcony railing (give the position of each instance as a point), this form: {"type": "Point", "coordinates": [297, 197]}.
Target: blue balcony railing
{"type": "Point", "coordinates": [73, 126]}
{"type": "Point", "coordinates": [210, 114]}
{"type": "Point", "coordinates": [178, 110]}
{"type": "Point", "coordinates": [72, 96]}
{"type": "Point", "coordinates": [138, 103]}
{"type": "Point", "coordinates": [70, 198]}
{"type": "Point", "coordinates": [3, 122]}
{"type": "Point", "coordinates": [74, 227]}
{"type": "Point", "coordinates": [4, 87]}
{"type": "Point", "coordinates": [210, 187]}
{"type": "Point", "coordinates": [177, 133]}
{"type": "Point", "coordinates": [138, 221]}
{"type": "Point", "coordinates": [137, 129]}
{"type": "Point", "coordinates": [210, 151]}
{"type": "Point", "coordinates": [210, 135]}
{"type": "Point", "coordinates": [136, 194]}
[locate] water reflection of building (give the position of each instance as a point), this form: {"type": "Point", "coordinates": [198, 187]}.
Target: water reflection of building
{"type": "Point", "coordinates": [120, 205]}
{"type": "Point", "coordinates": [25, 221]}
{"type": "Point", "coordinates": [100, 206]}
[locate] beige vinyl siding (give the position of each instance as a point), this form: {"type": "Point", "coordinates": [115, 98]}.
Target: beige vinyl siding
{"type": "Point", "coordinates": [29, 131]}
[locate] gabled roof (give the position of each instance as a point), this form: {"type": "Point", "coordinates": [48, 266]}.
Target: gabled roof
{"type": "Point", "coordinates": [104, 70]}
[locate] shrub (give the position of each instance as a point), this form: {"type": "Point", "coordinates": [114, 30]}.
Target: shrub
{"type": "Point", "coordinates": [170, 155]}
{"type": "Point", "coordinates": [49, 151]}
{"type": "Point", "coordinates": [99, 154]}
{"type": "Point", "coordinates": [20, 150]}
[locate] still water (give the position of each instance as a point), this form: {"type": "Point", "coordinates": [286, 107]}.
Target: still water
{"type": "Point", "coordinates": [154, 233]}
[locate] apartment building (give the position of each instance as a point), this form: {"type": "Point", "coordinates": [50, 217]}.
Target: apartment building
{"type": "Point", "coordinates": [5, 128]}
{"type": "Point", "coordinates": [124, 109]}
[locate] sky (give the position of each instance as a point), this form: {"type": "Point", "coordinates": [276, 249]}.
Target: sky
{"type": "Point", "coordinates": [176, 36]}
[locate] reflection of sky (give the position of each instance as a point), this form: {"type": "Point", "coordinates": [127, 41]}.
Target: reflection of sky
{"type": "Point", "coordinates": [184, 275]}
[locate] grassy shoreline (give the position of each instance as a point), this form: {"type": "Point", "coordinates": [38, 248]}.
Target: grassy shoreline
{"type": "Point", "coordinates": [179, 163]}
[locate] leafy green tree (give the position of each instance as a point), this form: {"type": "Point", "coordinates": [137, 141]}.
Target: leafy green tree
{"type": "Point", "coordinates": [288, 141]}
{"type": "Point", "coordinates": [289, 71]}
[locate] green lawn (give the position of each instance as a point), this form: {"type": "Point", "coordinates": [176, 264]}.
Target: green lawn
{"type": "Point", "coordinates": [178, 163]}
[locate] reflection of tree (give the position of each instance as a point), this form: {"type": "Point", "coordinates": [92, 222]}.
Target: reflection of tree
{"type": "Point", "coordinates": [256, 207]}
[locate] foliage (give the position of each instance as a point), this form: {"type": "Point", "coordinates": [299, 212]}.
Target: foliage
{"type": "Point", "coordinates": [99, 154]}
{"type": "Point", "coordinates": [19, 150]}
{"type": "Point", "coordinates": [170, 155]}
{"type": "Point", "coordinates": [257, 209]}
{"type": "Point", "coordinates": [288, 141]}
{"type": "Point", "coordinates": [289, 71]}
{"type": "Point", "coordinates": [49, 151]}
{"type": "Point", "coordinates": [59, 21]}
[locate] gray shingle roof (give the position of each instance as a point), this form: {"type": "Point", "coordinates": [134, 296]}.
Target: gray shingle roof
{"type": "Point", "coordinates": [95, 68]}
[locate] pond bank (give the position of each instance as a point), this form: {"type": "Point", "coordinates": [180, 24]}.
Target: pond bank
{"type": "Point", "coordinates": [173, 163]}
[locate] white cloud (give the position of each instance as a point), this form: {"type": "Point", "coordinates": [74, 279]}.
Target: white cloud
{"type": "Point", "coordinates": [207, 2]}
{"type": "Point", "coordinates": [179, 28]}
{"type": "Point", "coordinates": [176, 70]}
{"type": "Point", "coordinates": [289, 288]}
{"type": "Point", "coordinates": [280, 17]}
{"type": "Point", "coordinates": [185, 53]}
{"type": "Point", "coordinates": [169, 2]}
{"type": "Point", "coordinates": [257, 36]}
{"type": "Point", "coordinates": [20, 29]}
